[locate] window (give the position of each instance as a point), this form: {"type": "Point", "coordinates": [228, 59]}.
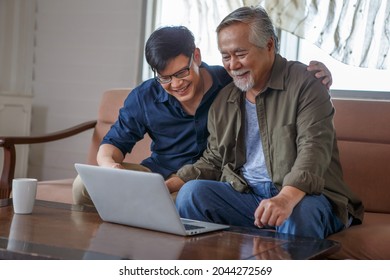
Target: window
{"type": "Point", "coordinates": [201, 17]}
{"type": "Point", "coordinates": [346, 77]}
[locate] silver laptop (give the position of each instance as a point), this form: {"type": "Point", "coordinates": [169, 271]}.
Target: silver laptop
{"type": "Point", "coordinates": [137, 199]}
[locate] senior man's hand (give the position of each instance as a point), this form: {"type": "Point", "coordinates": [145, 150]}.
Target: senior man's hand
{"type": "Point", "coordinates": [174, 183]}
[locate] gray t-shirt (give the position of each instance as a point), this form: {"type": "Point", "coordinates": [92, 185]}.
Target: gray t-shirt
{"type": "Point", "coordinates": [254, 170]}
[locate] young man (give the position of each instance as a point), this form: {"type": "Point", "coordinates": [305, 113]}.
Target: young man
{"type": "Point", "coordinates": [272, 157]}
{"type": "Point", "coordinates": [172, 108]}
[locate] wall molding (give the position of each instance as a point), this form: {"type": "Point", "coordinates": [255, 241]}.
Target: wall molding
{"type": "Point", "coordinates": [355, 94]}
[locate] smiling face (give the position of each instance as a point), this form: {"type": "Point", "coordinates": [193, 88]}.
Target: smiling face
{"type": "Point", "coordinates": [249, 65]}
{"type": "Point", "coordinates": [187, 90]}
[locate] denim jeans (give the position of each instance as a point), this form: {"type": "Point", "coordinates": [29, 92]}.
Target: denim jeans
{"type": "Point", "coordinates": [218, 202]}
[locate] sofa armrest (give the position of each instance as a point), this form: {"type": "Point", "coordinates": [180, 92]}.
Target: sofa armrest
{"type": "Point", "coordinates": [8, 144]}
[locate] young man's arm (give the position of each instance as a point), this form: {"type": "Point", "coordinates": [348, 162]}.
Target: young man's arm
{"type": "Point", "coordinates": [322, 72]}
{"type": "Point", "coordinates": [110, 156]}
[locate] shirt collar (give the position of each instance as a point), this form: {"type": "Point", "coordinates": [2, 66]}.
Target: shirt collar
{"type": "Point", "coordinates": [162, 95]}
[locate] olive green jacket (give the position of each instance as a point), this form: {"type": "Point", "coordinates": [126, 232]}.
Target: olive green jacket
{"type": "Point", "coordinates": [295, 117]}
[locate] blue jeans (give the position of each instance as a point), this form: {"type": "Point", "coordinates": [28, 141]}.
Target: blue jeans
{"type": "Point", "coordinates": [218, 202]}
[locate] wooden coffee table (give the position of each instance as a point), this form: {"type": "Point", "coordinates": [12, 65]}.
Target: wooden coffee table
{"type": "Point", "coordinates": [64, 231]}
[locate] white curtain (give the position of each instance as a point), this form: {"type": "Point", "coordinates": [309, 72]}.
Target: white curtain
{"type": "Point", "coordinates": [201, 17]}
{"type": "Point", "coordinates": [356, 32]}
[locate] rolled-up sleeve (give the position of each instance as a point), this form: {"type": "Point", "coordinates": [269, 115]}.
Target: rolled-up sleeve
{"type": "Point", "coordinates": [314, 139]}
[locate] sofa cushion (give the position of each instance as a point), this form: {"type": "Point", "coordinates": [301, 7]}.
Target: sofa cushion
{"type": "Point", "coordinates": [111, 102]}
{"type": "Point", "coordinates": [368, 241]}
{"type": "Point", "coordinates": [367, 172]}
{"type": "Point", "coordinates": [56, 190]}
{"type": "Point", "coordinates": [362, 120]}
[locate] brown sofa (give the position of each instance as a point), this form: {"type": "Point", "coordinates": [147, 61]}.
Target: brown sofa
{"type": "Point", "coordinates": [363, 131]}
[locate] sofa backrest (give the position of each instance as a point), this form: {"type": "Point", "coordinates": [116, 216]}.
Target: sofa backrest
{"type": "Point", "coordinates": [112, 100]}
{"type": "Point", "coordinates": [363, 137]}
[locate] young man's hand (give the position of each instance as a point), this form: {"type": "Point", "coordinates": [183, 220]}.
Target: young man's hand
{"type": "Point", "coordinates": [321, 72]}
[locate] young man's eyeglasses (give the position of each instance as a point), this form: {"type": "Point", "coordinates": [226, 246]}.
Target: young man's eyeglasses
{"type": "Point", "coordinates": [179, 74]}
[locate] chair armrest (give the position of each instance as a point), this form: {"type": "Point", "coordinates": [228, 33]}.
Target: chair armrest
{"type": "Point", "coordinates": [8, 144]}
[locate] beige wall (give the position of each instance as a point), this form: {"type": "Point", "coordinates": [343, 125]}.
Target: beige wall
{"type": "Point", "coordinates": [73, 51]}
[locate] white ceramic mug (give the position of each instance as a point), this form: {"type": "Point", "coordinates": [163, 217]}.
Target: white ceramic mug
{"type": "Point", "coordinates": [24, 191]}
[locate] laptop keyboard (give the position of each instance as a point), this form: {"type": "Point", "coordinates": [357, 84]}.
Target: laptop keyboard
{"type": "Point", "coordinates": [189, 227]}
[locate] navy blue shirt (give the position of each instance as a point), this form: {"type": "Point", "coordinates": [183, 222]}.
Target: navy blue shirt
{"type": "Point", "coordinates": [177, 137]}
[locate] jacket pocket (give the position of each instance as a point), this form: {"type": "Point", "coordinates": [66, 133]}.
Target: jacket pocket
{"type": "Point", "coordinates": [238, 183]}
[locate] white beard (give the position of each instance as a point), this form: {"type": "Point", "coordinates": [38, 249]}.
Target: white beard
{"type": "Point", "coordinates": [243, 84]}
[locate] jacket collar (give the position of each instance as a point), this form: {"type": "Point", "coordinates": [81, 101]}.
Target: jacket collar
{"type": "Point", "coordinates": [276, 80]}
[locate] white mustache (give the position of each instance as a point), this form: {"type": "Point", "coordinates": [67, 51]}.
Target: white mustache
{"type": "Point", "coordinates": [237, 73]}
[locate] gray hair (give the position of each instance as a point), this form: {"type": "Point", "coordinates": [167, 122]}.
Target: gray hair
{"type": "Point", "coordinates": [261, 27]}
